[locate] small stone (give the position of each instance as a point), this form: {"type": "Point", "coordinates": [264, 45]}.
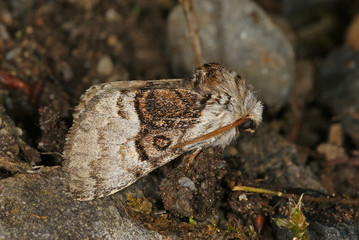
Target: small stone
{"type": "Point", "coordinates": [105, 66]}
{"type": "Point", "coordinates": [112, 15]}
{"type": "Point", "coordinates": [6, 17]}
{"type": "Point", "coordinates": [115, 43]}
{"type": "Point", "coordinates": [4, 34]}
{"type": "Point", "coordinates": [12, 53]}
{"type": "Point", "coordinates": [231, 151]}
{"type": "Point", "coordinates": [186, 182]}
{"type": "Point", "coordinates": [336, 134]}
{"type": "Point", "coordinates": [331, 151]}
{"type": "Point", "coordinates": [29, 29]}
{"type": "Point", "coordinates": [243, 197]}
{"type": "Point", "coordinates": [239, 35]}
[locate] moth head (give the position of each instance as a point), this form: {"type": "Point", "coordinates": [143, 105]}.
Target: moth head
{"type": "Point", "coordinates": [248, 125]}
{"type": "Point", "coordinates": [212, 78]}
{"type": "Point", "coordinates": [252, 109]}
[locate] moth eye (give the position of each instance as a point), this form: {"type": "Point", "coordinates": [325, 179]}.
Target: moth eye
{"type": "Point", "coordinates": [249, 124]}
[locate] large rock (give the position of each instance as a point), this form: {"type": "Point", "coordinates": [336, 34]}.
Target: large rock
{"type": "Point", "coordinates": [239, 35]}
{"type": "Point", "coordinates": [36, 206]}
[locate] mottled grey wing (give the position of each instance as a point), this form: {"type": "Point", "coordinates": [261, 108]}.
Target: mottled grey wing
{"type": "Point", "coordinates": [119, 136]}
{"type": "Point", "coordinates": [99, 89]}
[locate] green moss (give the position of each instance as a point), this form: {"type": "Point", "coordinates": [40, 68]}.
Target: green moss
{"type": "Point", "coordinates": [296, 222]}
{"type": "Point", "coordinates": [142, 210]}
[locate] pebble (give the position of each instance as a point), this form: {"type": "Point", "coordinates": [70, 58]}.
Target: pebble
{"type": "Point", "coordinates": [12, 53]}
{"type": "Point", "coordinates": [112, 15]}
{"type": "Point", "coordinates": [6, 17]}
{"type": "Point", "coordinates": [4, 34]}
{"type": "Point", "coordinates": [115, 44]}
{"type": "Point", "coordinates": [186, 182]}
{"type": "Point", "coordinates": [338, 87]}
{"type": "Point", "coordinates": [239, 35]}
{"type": "Point", "coordinates": [105, 66]}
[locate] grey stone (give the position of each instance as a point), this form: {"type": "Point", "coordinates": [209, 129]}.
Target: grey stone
{"type": "Point", "coordinates": [186, 182]}
{"type": "Point", "coordinates": [37, 206]}
{"type": "Point", "coordinates": [239, 35]}
{"type": "Point", "coordinates": [112, 15]}
{"type": "Point", "coordinates": [10, 55]}
{"type": "Point", "coordinates": [105, 65]}
{"type": "Point", "coordinates": [324, 228]}
{"type": "Point", "coordinates": [4, 34]}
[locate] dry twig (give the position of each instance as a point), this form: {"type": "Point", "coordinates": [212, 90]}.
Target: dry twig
{"type": "Point", "coordinates": [192, 24]}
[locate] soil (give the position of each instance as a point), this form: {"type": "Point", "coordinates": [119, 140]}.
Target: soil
{"type": "Point", "coordinates": [50, 53]}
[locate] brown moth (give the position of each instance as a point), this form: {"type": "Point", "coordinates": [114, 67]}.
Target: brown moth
{"type": "Point", "coordinates": [124, 130]}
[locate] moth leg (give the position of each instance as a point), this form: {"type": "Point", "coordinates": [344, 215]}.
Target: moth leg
{"type": "Point", "coordinates": [193, 156]}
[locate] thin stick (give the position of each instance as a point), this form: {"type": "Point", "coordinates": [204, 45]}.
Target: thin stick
{"type": "Point", "coordinates": [190, 15]}
{"type": "Point", "coordinates": [257, 190]}
{"type": "Point", "coordinates": [217, 132]}
{"type": "Point", "coordinates": [322, 199]}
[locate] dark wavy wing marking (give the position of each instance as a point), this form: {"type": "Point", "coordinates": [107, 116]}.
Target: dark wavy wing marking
{"type": "Point", "coordinates": [98, 89]}
{"type": "Point", "coordinates": [165, 115]}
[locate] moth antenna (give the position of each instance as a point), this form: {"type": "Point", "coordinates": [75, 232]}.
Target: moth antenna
{"type": "Point", "coordinates": [215, 133]}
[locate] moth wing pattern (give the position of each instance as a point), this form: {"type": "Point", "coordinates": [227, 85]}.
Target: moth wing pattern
{"type": "Point", "coordinates": [98, 89]}
{"type": "Point", "coordinates": [124, 130]}
{"type": "Point", "coordinates": [120, 134]}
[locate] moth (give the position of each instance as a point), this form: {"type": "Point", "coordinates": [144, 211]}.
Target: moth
{"type": "Point", "coordinates": [124, 130]}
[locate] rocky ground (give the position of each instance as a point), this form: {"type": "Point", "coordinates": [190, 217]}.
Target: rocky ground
{"type": "Point", "coordinates": [302, 58]}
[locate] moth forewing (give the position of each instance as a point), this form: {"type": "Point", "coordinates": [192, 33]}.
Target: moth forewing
{"type": "Point", "coordinates": [124, 130]}
{"type": "Point", "coordinates": [120, 136]}
{"type": "Point", "coordinates": [97, 90]}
